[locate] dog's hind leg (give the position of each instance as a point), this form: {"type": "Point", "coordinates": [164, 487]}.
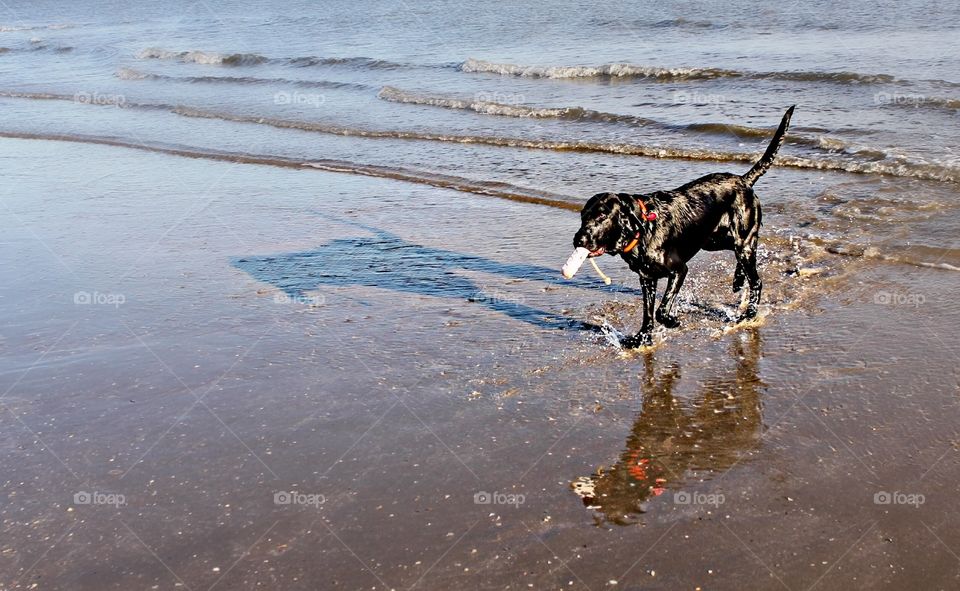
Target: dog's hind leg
{"type": "Point", "coordinates": [746, 236]}
{"type": "Point", "coordinates": [665, 315]}
{"type": "Point", "coordinates": [747, 261]}
{"type": "Point", "coordinates": [723, 240]}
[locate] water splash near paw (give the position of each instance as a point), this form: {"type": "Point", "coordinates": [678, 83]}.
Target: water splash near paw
{"type": "Point", "coordinates": [610, 334]}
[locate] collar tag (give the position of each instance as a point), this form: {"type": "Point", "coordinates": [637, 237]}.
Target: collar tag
{"type": "Point", "coordinates": [647, 216]}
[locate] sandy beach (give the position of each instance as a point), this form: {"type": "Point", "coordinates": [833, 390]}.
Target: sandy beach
{"type": "Point", "coordinates": [257, 377]}
{"type": "Point", "coordinates": [283, 307]}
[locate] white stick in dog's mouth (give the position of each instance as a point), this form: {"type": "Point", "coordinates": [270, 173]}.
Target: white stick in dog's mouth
{"type": "Point", "coordinates": [575, 261]}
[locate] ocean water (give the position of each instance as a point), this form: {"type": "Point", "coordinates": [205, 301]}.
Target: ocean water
{"type": "Point", "coordinates": [551, 101]}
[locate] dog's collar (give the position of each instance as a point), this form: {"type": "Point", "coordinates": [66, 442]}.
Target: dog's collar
{"type": "Point", "coordinates": [633, 243]}
{"type": "Point", "coordinates": [646, 216]}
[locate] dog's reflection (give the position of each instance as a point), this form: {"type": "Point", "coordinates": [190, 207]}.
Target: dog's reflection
{"type": "Point", "coordinates": [671, 439]}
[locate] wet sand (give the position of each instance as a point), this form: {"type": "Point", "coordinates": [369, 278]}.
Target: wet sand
{"type": "Point", "coordinates": [238, 376]}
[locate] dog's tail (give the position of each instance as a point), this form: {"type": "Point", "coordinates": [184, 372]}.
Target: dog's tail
{"type": "Point", "coordinates": [763, 165]}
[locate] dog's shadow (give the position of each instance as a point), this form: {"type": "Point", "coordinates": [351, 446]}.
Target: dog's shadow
{"type": "Point", "coordinates": [387, 261]}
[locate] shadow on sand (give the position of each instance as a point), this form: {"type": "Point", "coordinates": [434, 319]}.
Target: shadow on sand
{"type": "Point", "coordinates": [386, 261]}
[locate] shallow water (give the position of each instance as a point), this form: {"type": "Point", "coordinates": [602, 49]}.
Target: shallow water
{"type": "Point", "coordinates": [315, 248]}
{"type": "Point", "coordinates": [446, 90]}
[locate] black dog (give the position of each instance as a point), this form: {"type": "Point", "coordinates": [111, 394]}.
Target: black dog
{"type": "Point", "coordinates": [656, 234]}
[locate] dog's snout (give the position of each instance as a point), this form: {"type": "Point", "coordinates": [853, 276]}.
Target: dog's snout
{"type": "Point", "coordinates": [579, 239]}
{"type": "Point", "coordinates": [585, 238]}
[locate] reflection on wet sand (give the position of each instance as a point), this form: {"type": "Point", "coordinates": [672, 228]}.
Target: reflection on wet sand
{"type": "Point", "coordinates": [671, 438]}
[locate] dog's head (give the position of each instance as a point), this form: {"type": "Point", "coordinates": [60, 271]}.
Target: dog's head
{"type": "Point", "coordinates": [607, 224]}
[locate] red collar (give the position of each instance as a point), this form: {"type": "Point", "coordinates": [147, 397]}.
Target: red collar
{"type": "Point", "coordinates": [647, 216]}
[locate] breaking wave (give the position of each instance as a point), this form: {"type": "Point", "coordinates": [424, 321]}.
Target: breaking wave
{"type": "Point", "coordinates": [606, 70]}
{"type": "Point", "coordinates": [396, 95]}
{"type": "Point", "coordinates": [252, 59]}
{"type": "Point", "coordinates": [664, 74]}
{"type": "Point", "coordinates": [203, 57]}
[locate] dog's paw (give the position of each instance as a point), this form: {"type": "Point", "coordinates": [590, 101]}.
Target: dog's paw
{"type": "Point", "coordinates": [641, 339]}
{"type": "Point", "coordinates": [749, 314]}
{"type": "Point", "coordinates": [668, 320]}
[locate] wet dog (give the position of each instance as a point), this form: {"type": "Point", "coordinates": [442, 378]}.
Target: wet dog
{"type": "Point", "coordinates": [657, 233]}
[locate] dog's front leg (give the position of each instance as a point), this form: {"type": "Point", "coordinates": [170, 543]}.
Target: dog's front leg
{"type": "Point", "coordinates": [644, 338]}
{"type": "Point", "coordinates": [665, 315]}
